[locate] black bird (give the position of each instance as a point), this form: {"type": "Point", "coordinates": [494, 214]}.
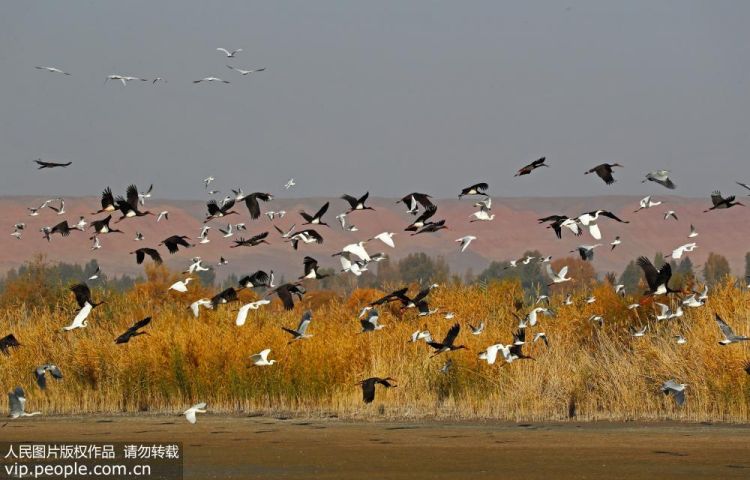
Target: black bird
{"type": "Point", "coordinates": [83, 295]}
{"type": "Point", "coordinates": [62, 228]}
{"type": "Point", "coordinates": [357, 203]}
{"type": "Point", "coordinates": [257, 279]}
{"type": "Point", "coordinates": [141, 253]}
{"type": "Point", "coordinates": [43, 164]}
{"type": "Point", "coordinates": [311, 269]}
{"type": "Point", "coordinates": [421, 220]}
{"type": "Point", "coordinates": [721, 203]}
{"type": "Point", "coordinates": [531, 167]}
{"type": "Point", "coordinates": [657, 280]}
{"type": "Point", "coordinates": [217, 211]}
{"type": "Point", "coordinates": [41, 377]}
{"type": "Point", "coordinates": [418, 298]}
{"type": "Point", "coordinates": [413, 200]}
{"type": "Point", "coordinates": [225, 296]}
{"type": "Point", "coordinates": [174, 242]}
{"type": "Point", "coordinates": [316, 219]}
{"type": "Point", "coordinates": [7, 342]}
{"type": "Point", "coordinates": [605, 172]}
{"type": "Point", "coordinates": [447, 344]}
{"type": "Point", "coordinates": [102, 226]}
{"type": "Point", "coordinates": [431, 227]}
{"type": "Point", "coordinates": [368, 387]}
{"type": "Point", "coordinates": [251, 201]}
{"type": "Point", "coordinates": [107, 201]}
{"type": "Point", "coordinates": [251, 242]}
{"type": "Point", "coordinates": [285, 293]}
{"type": "Point", "coordinates": [129, 206]}
{"type": "Point", "coordinates": [133, 331]}
{"type": "Point", "coordinates": [477, 189]}
{"type": "Point", "coordinates": [399, 295]}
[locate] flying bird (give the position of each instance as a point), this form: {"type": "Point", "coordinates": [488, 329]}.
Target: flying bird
{"type": "Point", "coordinates": [133, 331]}
{"type": "Point", "coordinates": [286, 294]}
{"type": "Point", "coordinates": [465, 241]}
{"type": "Point", "coordinates": [229, 54]}
{"type": "Point", "coordinates": [52, 70]}
{"type": "Point", "coordinates": [211, 79]}
{"type": "Point", "coordinates": [661, 177]}
{"type": "Point", "coordinates": [141, 253]}
{"type": "Point", "coordinates": [604, 171]}
{"type": "Point", "coordinates": [7, 342]}
{"type": "Point", "coordinates": [261, 359]}
{"type": "Point", "coordinates": [447, 344]}
{"type": "Point", "coordinates": [41, 377]}
{"type": "Point", "coordinates": [414, 200]}
{"type": "Point", "coordinates": [190, 412]}
{"type": "Point", "coordinates": [316, 219]}
{"type": "Point", "coordinates": [17, 401]}
{"type": "Point", "coordinates": [531, 167]}
{"type": "Point", "coordinates": [43, 164]}
{"type": "Point", "coordinates": [721, 203]}
{"type": "Point", "coordinates": [242, 313]}
{"type": "Point", "coordinates": [368, 387]}
{"type": "Point", "coordinates": [357, 203]}
{"type": "Point", "coordinates": [301, 331]}
{"type": "Point", "coordinates": [245, 72]}
{"type": "Point", "coordinates": [174, 243]}
{"type": "Point", "coordinates": [476, 189]}
{"type": "Point", "coordinates": [677, 390]}
{"type": "Point", "coordinates": [657, 280]}
{"type": "Point", "coordinates": [729, 335]}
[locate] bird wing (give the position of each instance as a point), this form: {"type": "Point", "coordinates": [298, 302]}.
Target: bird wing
{"type": "Point", "coordinates": [242, 314]}
{"type": "Point", "coordinates": [649, 271]}
{"type": "Point", "coordinates": [286, 297]}
{"type": "Point", "coordinates": [351, 200]}
{"type": "Point", "coordinates": [154, 254]}
{"type": "Point", "coordinates": [322, 210]}
{"type": "Point", "coordinates": [251, 201]}
{"type": "Point", "coordinates": [716, 198]}
{"type": "Point", "coordinates": [304, 322]}
{"type": "Point", "coordinates": [612, 216]}
{"type": "Point", "coordinates": [563, 271]}
{"type": "Point", "coordinates": [363, 198]}
{"type": "Point", "coordinates": [594, 231]}
{"type": "Point", "coordinates": [140, 324]}
{"type": "Point", "coordinates": [452, 334]}
{"type": "Point", "coordinates": [725, 329]}
{"type": "Point", "coordinates": [82, 293]}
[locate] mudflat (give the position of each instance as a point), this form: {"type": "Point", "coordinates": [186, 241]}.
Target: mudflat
{"type": "Point", "coordinates": [229, 447]}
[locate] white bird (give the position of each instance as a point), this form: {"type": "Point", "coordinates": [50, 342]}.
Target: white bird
{"type": "Point", "coordinates": [704, 294]}
{"type": "Point", "coordinates": [228, 53]}
{"type": "Point", "coordinates": [61, 209]}
{"type": "Point", "coordinates": [201, 302]}
{"type": "Point", "coordinates": [421, 335]}
{"type": "Point", "coordinates": [486, 203]}
{"type": "Point", "coordinates": [95, 275]}
{"type": "Point", "coordinates": [341, 217]}
{"type": "Point", "coordinates": [147, 194]}
{"type": "Point", "coordinates": [97, 244]}
{"type": "Point", "coordinates": [124, 79]}
{"type": "Point", "coordinates": [211, 79]}
{"type": "Point", "coordinates": [670, 214]}
{"type": "Point", "coordinates": [680, 340]}
{"type": "Point", "coordinates": [288, 233]}
{"type": "Point", "coordinates": [17, 401]}
{"type": "Point", "coordinates": [528, 259]}
{"type": "Point", "coordinates": [449, 315]}
{"type": "Point", "coordinates": [532, 318]}
{"type": "Point", "coordinates": [559, 277]}
{"type": "Point", "coordinates": [289, 184]}
{"type": "Point", "coordinates": [597, 319]}
{"type": "Point", "coordinates": [190, 412]}
{"type": "Point", "coordinates": [242, 313]}
{"type": "Point", "coordinates": [646, 202]}
{"type": "Point", "coordinates": [196, 266]}
{"type": "Point", "coordinates": [81, 225]}
{"type": "Point", "coordinates": [477, 330]}
{"type": "Point", "coordinates": [465, 241]}
{"type": "Point", "coordinates": [483, 215]}
{"type": "Point", "coordinates": [666, 312]}
{"type": "Point", "coordinates": [661, 177]}
{"type": "Point", "coordinates": [80, 319]}
{"type": "Point", "coordinates": [207, 181]}
{"type": "Point", "coordinates": [490, 353]}
{"type": "Point", "coordinates": [541, 336]}
{"type": "Point", "coordinates": [638, 333]}
{"type": "Point", "coordinates": [347, 265]}
{"type": "Point", "coordinates": [615, 242]}
{"type": "Point", "coordinates": [693, 232]}
{"type": "Point", "coordinates": [568, 299]}
{"type": "Point", "coordinates": [358, 249]}
{"type": "Point", "coordinates": [203, 236]}
{"type": "Point", "coordinates": [227, 231]}
{"type": "Point", "coordinates": [245, 72]}
{"type": "Point", "coordinates": [139, 237]}
{"type": "Point", "coordinates": [163, 214]}
{"type": "Point", "coordinates": [180, 286]}
{"type": "Point", "coordinates": [729, 335]}
{"type": "Point", "coordinates": [385, 237]}
{"type": "Point", "coordinates": [678, 252]}
{"type": "Point", "coordinates": [634, 306]}
{"type": "Point", "coordinates": [693, 302]}
{"type": "Point", "coordinates": [371, 324]}
{"type": "Point", "coordinates": [261, 359]}
{"type": "Point", "coordinates": [52, 70]}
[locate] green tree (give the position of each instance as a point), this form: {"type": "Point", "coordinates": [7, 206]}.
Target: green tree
{"type": "Point", "coordinates": [631, 277]}
{"type": "Point", "coordinates": [715, 269]}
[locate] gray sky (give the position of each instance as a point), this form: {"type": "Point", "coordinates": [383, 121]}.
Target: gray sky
{"type": "Point", "coordinates": [384, 96]}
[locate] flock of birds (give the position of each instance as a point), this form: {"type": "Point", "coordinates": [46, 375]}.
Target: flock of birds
{"type": "Point", "coordinates": [354, 259]}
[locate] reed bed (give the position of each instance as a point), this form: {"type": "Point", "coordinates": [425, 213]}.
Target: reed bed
{"type": "Point", "coordinates": [586, 373]}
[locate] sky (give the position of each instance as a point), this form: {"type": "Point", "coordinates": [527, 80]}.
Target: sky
{"type": "Point", "coordinates": [388, 97]}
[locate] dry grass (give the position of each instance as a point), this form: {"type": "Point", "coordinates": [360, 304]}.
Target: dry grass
{"type": "Point", "coordinates": [604, 372]}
